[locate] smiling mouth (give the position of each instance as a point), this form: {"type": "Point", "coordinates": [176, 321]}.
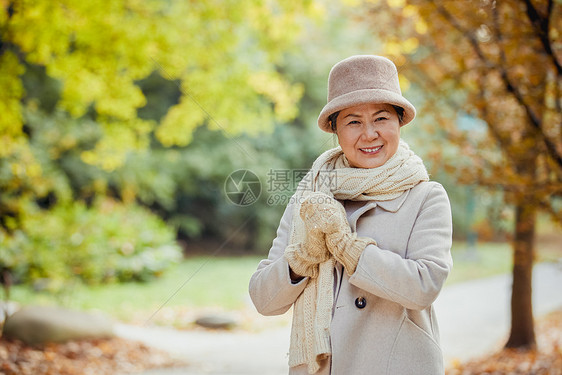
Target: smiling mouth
{"type": "Point", "coordinates": [370, 150]}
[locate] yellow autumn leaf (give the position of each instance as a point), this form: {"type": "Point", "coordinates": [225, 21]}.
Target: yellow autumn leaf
{"type": "Point", "coordinates": [392, 48]}
{"type": "Point", "coordinates": [420, 26]}
{"type": "Point", "coordinates": [179, 123]}
{"type": "Point", "coordinates": [351, 3]}
{"type": "Point", "coordinates": [11, 91]}
{"type": "Point", "coordinates": [317, 11]}
{"type": "Point", "coordinates": [410, 45]}
{"type": "Point", "coordinates": [410, 11]}
{"type": "Point", "coordinates": [88, 48]}
{"type": "Point", "coordinates": [404, 82]}
{"type": "Point", "coordinates": [107, 154]}
{"type": "Point", "coordinates": [396, 3]}
{"type": "Point", "coordinates": [280, 92]}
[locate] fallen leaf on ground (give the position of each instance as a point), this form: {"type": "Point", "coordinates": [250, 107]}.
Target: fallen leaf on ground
{"type": "Point", "coordinates": [546, 360]}
{"type": "Point", "coordinates": [90, 357]}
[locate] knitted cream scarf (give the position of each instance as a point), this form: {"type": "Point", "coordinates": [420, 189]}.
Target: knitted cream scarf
{"type": "Point", "coordinates": [331, 174]}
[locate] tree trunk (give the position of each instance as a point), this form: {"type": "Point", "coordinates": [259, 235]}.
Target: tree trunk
{"type": "Point", "coordinates": [522, 327]}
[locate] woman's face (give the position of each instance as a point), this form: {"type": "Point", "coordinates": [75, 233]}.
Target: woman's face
{"type": "Point", "coordinates": [368, 134]}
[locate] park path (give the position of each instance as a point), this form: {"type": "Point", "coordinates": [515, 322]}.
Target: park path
{"type": "Point", "coordinates": [473, 318]}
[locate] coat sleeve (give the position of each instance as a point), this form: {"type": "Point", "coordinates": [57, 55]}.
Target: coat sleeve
{"type": "Point", "coordinates": [271, 289]}
{"type": "Point", "coordinates": [416, 280]}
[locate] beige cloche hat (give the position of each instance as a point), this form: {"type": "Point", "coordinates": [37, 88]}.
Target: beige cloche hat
{"type": "Point", "coordinates": [363, 79]}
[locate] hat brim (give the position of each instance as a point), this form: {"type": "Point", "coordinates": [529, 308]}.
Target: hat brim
{"type": "Point", "coordinates": [365, 96]}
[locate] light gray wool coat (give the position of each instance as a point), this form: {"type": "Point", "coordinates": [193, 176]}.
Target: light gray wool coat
{"type": "Point", "coordinates": [395, 332]}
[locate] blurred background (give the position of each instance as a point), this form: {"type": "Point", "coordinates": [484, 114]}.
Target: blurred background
{"type": "Point", "coordinates": [122, 125]}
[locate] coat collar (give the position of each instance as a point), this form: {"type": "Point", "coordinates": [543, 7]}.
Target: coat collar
{"type": "Point", "coordinates": [394, 204]}
{"type": "Point", "coordinates": [390, 206]}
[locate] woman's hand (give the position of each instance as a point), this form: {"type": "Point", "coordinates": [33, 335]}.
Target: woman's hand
{"type": "Point", "coordinates": [304, 258]}
{"type": "Point", "coordinates": [321, 212]}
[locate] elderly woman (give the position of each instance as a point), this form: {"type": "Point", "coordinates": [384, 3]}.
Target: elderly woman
{"type": "Point", "coordinates": [363, 248]}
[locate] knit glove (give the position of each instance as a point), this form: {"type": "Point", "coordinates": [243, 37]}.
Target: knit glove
{"type": "Point", "coordinates": [304, 262]}
{"type": "Point", "coordinates": [304, 258]}
{"type": "Point", "coordinates": [327, 214]}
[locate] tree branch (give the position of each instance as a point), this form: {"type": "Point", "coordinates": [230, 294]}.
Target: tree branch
{"type": "Point", "coordinates": [500, 138]}
{"type": "Point", "coordinates": [541, 26]}
{"type": "Point", "coordinates": [534, 120]}
{"type": "Point", "coordinates": [471, 38]}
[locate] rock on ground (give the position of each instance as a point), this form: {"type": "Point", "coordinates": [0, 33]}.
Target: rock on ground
{"type": "Point", "coordinates": [38, 325]}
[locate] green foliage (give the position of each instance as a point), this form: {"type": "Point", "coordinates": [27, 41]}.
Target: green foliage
{"type": "Point", "coordinates": [103, 243]}
{"type": "Point", "coordinates": [89, 89]}
{"type": "Point", "coordinates": [50, 233]}
{"type": "Point", "coordinates": [186, 187]}
{"type": "Point", "coordinates": [222, 55]}
{"type": "Point", "coordinates": [49, 166]}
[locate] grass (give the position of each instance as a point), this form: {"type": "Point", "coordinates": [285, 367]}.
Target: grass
{"type": "Point", "coordinates": [221, 283]}
{"type": "Point", "coordinates": [196, 283]}
{"type": "Point", "coordinates": [484, 260]}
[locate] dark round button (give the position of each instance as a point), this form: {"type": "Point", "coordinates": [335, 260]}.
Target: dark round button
{"type": "Point", "coordinates": [360, 302]}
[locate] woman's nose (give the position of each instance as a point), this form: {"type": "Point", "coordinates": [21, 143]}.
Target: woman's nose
{"type": "Point", "coordinates": [371, 132]}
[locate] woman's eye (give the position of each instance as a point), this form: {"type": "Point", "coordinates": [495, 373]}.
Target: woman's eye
{"type": "Point", "coordinates": [380, 119]}
{"type": "Point", "coordinates": [354, 122]}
